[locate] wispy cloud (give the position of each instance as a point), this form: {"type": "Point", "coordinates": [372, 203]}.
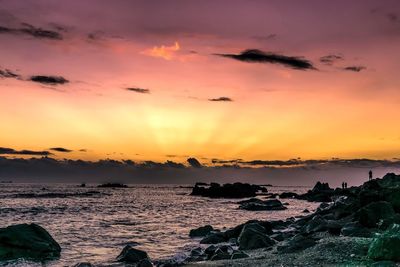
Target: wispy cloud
{"type": "Point", "coordinates": [30, 30]}
{"type": "Point", "coordinates": [10, 151]}
{"type": "Point", "coordinates": [258, 56]}
{"type": "Point", "coordinates": [330, 59]}
{"type": "Point", "coordinates": [61, 149]}
{"type": "Point", "coordinates": [221, 99]}
{"type": "Point", "coordinates": [48, 80]}
{"type": "Point", "coordinates": [165, 52]}
{"type": "Point", "coordinates": [138, 90]}
{"type": "Point", "coordinates": [354, 68]}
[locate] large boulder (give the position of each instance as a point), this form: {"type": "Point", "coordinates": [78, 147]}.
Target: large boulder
{"type": "Point", "coordinates": [288, 195]}
{"type": "Point", "coordinates": [29, 241]}
{"type": "Point", "coordinates": [201, 231]}
{"type": "Point", "coordinates": [375, 213]}
{"type": "Point", "coordinates": [387, 246]}
{"type": "Point", "coordinates": [321, 192]}
{"type": "Point", "coordinates": [355, 229]}
{"type": "Point", "coordinates": [255, 204]}
{"type": "Point", "coordinates": [214, 238]}
{"type": "Point", "coordinates": [132, 255]}
{"type": "Point", "coordinates": [253, 237]}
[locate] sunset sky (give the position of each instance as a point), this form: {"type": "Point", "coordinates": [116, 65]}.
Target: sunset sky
{"type": "Point", "coordinates": [158, 80]}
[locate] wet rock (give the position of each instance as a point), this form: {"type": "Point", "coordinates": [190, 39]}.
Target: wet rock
{"type": "Point", "coordinates": [320, 193]}
{"type": "Point", "coordinates": [383, 264]}
{"type": "Point", "coordinates": [201, 231]}
{"type": "Point", "coordinates": [376, 212]}
{"type": "Point", "coordinates": [355, 229]}
{"type": "Point", "coordinates": [213, 238]}
{"type": "Point", "coordinates": [132, 255]}
{"type": "Point", "coordinates": [29, 241]}
{"type": "Point", "coordinates": [255, 204]}
{"type": "Point", "coordinates": [236, 190]}
{"type": "Point", "coordinates": [288, 195]}
{"type": "Point", "coordinates": [253, 236]}
{"type": "Point", "coordinates": [306, 211]}
{"type": "Point", "coordinates": [387, 246]}
{"type": "Point", "coordinates": [297, 243]}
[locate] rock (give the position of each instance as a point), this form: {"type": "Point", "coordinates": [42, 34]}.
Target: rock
{"type": "Point", "coordinates": [113, 185]}
{"type": "Point", "coordinates": [306, 211]}
{"type": "Point", "coordinates": [132, 255]}
{"type": "Point", "coordinates": [320, 193]}
{"type": "Point", "coordinates": [201, 231]}
{"type": "Point", "coordinates": [144, 263]}
{"type": "Point", "coordinates": [213, 238]}
{"type": "Point", "coordinates": [387, 246]}
{"type": "Point", "coordinates": [222, 253]}
{"type": "Point", "coordinates": [297, 243]}
{"type": "Point", "coordinates": [316, 224]}
{"type": "Point", "coordinates": [355, 229]}
{"type": "Point", "coordinates": [253, 237]}
{"type": "Point", "coordinates": [288, 195]}
{"type": "Point", "coordinates": [374, 213]}
{"type": "Point", "coordinates": [239, 255]}
{"type": "Point", "coordinates": [257, 204]}
{"type": "Point", "coordinates": [196, 251]}
{"type": "Point", "coordinates": [84, 264]}
{"type": "Point", "coordinates": [29, 241]}
{"type": "Point", "coordinates": [236, 190]}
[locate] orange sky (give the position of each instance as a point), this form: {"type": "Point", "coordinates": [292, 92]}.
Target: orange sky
{"type": "Point", "coordinates": [277, 112]}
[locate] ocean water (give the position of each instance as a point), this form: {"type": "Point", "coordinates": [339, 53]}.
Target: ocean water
{"type": "Point", "coordinates": [95, 227]}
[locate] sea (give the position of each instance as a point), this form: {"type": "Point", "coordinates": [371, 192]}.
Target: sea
{"type": "Point", "coordinates": [93, 224]}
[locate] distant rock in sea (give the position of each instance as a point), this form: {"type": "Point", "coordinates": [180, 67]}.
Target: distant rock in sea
{"type": "Point", "coordinates": [236, 190]}
{"type": "Point", "coordinates": [113, 185]}
{"type": "Point", "coordinates": [28, 241]}
{"type": "Point", "coordinates": [256, 204]}
{"type": "Point", "coordinates": [135, 256]}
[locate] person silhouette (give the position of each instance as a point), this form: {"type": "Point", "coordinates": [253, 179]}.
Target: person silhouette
{"type": "Point", "coordinates": [370, 175]}
{"type": "Point", "coordinates": [342, 185]}
{"type": "Point", "coordinates": [345, 185]}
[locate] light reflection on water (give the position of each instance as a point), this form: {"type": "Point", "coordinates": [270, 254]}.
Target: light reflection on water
{"type": "Point", "coordinates": [156, 218]}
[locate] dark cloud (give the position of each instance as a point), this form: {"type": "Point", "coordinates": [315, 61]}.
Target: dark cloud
{"type": "Point", "coordinates": [194, 163]}
{"type": "Point", "coordinates": [10, 151]}
{"type": "Point", "coordinates": [9, 74]}
{"type": "Point", "coordinates": [221, 99]}
{"type": "Point", "coordinates": [48, 80]}
{"type": "Point", "coordinates": [138, 90]}
{"type": "Point", "coordinates": [30, 30]}
{"type": "Point", "coordinates": [330, 59]}
{"type": "Point", "coordinates": [393, 17]}
{"type": "Point", "coordinates": [61, 149]}
{"type": "Point", "coordinates": [258, 56]}
{"type": "Point", "coordinates": [83, 150]}
{"type": "Point", "coordinates": [354, 68]}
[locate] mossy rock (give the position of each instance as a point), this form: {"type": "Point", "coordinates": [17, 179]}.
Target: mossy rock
{"type": "Point", "coordinates": [387, 246]}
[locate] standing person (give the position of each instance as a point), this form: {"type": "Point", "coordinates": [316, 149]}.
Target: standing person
{"type": "Point", "coordinates": [345, 185]}
{"type": "Point", "coordinates": [370, 175]}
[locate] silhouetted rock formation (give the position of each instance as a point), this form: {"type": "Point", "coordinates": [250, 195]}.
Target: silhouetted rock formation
{"type": "Point", "coordinates": [113, 185]}
{"type": "Point", "coordinates": [201, 231]}
{"type": "Point", "coordinates": [28, 241]}
{"type": "Point", "coordinates": [236, 190]}
{"type": "Point", "coordinates": [84, 264]}
{"type": "Point", "coordinates": [135, 256]}
{"type": "Point", "coordinates": [256, 204]}
{"type": "Point", "coordinates": [362, 211]}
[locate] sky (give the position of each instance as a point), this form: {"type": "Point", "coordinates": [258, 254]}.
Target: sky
{"type": "Point", "coordinates": [234, 81]}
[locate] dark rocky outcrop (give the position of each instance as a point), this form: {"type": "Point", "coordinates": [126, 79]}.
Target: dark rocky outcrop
{"type": "Point", "coordinates": [201, 231]}
{"type": "Point", "coordinates": [387, 246]}
{"type": "Point", "coordinates": [84, 264]}
{"type": "Point", "coordinates": [236, 190]}
{"type": "Point", "coordinates": [136, 256]}
{"type": "Point", "coordinates": [288, 195]}
{"type": "Point", "coordinates": [113, 185]}
{"type": "Point", "coordinates": [29, 241]}
{"type": "Point", "coordinates": [254, 236]}
{"type": "Point", "coordinates": [256, 204]}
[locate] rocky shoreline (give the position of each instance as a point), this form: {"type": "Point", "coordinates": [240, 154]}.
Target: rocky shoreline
{"type": "Point", "coordinates": [357, 226]}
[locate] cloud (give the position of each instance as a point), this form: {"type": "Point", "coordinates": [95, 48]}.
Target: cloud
{"type": "Point", "coordinates": [30, 30]}
{"type": "Point", "coordinates": [194, 163]}
{"type": "Point", "coordinates": [61, 149]}
{"type": "Point", "coordinates": [354, 68]}
{"type": "Point", "coordinates": [221, 99]}
{"type": "Point", "coordinates": [165, 52]}
{"type": "Point", "coordinates": [330, 59]}
{"type": "Point", "coordinates": [262, 38]}
{"type": "Point", "coordinates": [9, 74]}
{"type": "Point", "coordinates": [10, 151]}
{"type": "Point", "coordinates": [138, 90]}
{"type": "Point", "coordinates": [258, 56]}
{"type": "Point", "coordinates": [49, 80]}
